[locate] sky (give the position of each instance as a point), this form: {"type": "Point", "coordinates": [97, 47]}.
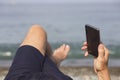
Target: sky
{"type": "Point", "coordinates": [57, 1]}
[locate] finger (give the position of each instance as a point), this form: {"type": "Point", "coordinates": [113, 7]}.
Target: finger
{"type": "Point", "coordinates": [84, 48]}
{"type": "Point", "coordinates": [101, 51]}
{"type": "Point", "coordinates": [86, 54]}
{"type": "Point", "coordinates": [85, 43]}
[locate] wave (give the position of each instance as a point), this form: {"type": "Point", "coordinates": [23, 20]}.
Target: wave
{"type": "Point", "coordinates": [7, 51]}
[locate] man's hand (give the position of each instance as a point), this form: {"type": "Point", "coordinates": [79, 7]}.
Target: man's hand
{"type": "Point", "coordinates": [100, 62]}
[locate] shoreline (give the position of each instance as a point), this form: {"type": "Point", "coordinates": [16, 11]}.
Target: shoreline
{"type": "Point", "coordinates": [77, 73]}
{"type": "Point", "coordinates": [70, 63]}
{"type": "Point", "coordinates": [75, 68]}
{"type": "Point", "coordinates": [88, 63]}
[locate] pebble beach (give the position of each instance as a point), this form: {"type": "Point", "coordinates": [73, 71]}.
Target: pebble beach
{"type": "Point", "coordinates": [76, 71]}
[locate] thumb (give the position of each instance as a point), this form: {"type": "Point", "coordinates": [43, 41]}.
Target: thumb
{"type": "Point", "coordinates": [101, 51]}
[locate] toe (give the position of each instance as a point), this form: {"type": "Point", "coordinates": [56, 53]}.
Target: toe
{"type": "Point", "coordinates": [62, 47]}
{"type": "Point", "coordinates": [67, 48]}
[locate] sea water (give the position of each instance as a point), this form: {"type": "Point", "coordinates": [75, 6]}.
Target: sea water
{"type": "Point", "coordinates": [64, 23]}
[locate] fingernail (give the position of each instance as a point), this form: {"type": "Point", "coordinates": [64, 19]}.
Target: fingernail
{"type": "Point", "coordinates": [101, 46]}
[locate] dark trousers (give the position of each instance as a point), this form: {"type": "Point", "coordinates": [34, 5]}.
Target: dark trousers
{"type": "Point", "coordinates": [30, 64]}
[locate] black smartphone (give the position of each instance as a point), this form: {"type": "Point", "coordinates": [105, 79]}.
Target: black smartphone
{"type": "Point", "coordinates": [93, 39]}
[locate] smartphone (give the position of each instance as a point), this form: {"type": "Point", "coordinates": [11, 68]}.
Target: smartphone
{"type": "Point", "coordinates": [93, 39]}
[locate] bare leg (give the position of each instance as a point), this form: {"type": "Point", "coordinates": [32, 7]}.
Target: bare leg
{"type": "Point", "coordinates": [49, 51]}
{"type": "Point", "coordinates": [37, 38]}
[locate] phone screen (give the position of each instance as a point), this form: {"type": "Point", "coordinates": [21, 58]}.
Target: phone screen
{"type": "Point", "coordinates": [93, 39]}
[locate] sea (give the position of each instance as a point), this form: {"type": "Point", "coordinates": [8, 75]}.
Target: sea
{"type": "Point", "coordinates": [64, 23]}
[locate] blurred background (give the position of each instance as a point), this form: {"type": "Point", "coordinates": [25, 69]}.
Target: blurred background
{"type": "Point", "coordinates": [64, 21]}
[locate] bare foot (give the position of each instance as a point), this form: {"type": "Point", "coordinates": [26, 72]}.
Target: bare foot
{"type": "Point", "coordinates": [60, 53]}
